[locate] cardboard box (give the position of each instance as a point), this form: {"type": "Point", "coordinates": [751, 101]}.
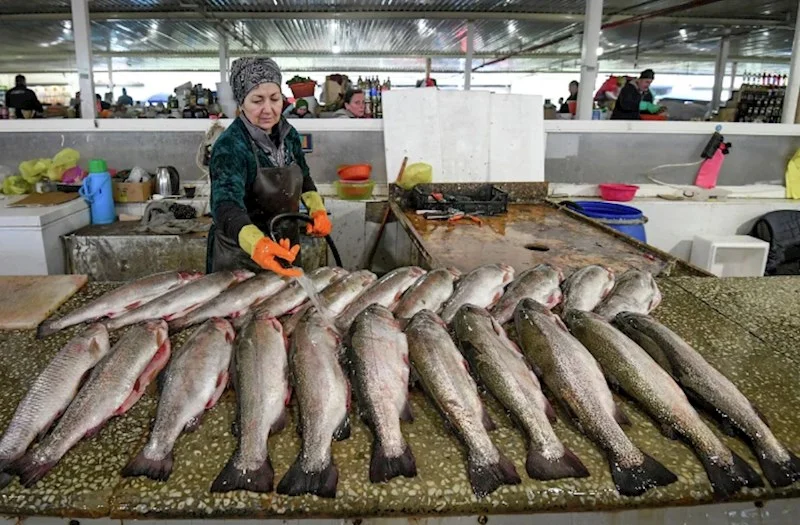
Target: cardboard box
{"type": "Point", "coordinates": [133, 191]}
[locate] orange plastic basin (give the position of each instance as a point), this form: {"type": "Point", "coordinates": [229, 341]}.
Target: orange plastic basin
{"type": "Point", "coordinates": [355, 172]}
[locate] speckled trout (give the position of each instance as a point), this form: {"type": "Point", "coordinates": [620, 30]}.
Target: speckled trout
{"type": "Point", "coordinates": [293, 295]}
{"type": "Point", "coordinates": [180, 302]}
{"type": "Point", "coordinates": [635, 291]}
{"type": "Point", "coordinates": [625, 364]}
{"type": "Point", "coordinates": [706, 385]}
{"type": "Point", "coordinates": [482, 287]}
{"type": "Point", "coordinates": [262, 394]}
{"type": "Point", "coordinates": [429, 292]}
{"type": "Point", "coordinates": [443, 373]}
{"type": "Point", "coordinates": [573, 375]}
{"type": "Point", "coordinates": [121, 300]}
{"type": "Point", "coordinates": [323, 398]}
{"type": "Point", "coordinates": [113, 387]}
{"type": "Point", "coordinates": [586, 287]}
{"type": "Point", "coordinates": [377, 353]}
{"type": "Point", "coordinates": [52, 391]}
{"type": "Point", "coordinates": [193, 382]}
{"type": "Point", "coordinates": [502, 369]}
{"type": "Point", "coordinates": [540, 283]}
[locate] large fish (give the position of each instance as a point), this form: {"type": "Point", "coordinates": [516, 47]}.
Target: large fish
{"type": "Point", "coordinates": [294, 295]}
{"type": "Point", "coordinates": [707, 386]}
{"type": "Point", "coordinates": [625, 364]}
{"type": "Point", "coordinates": [233, 302]}
{"type": "Point", "coordinates": [192, 383]}
{"type": "Point", "coordinates": [443, 373]}
{"type": "Point", "coordinates": [262, 393]}
{"type": "Point", "coordinates": [386, 291]}
{"type": "Point", "coordinates": [634, 291]}
{"type": "Point", "coordinates": [502, 369]}
{"type": "Point", "coordinates": [378, 358]}
{"type": "Point", "coordinates": [113, 387]}
{"type": "Point", "coordinates": [540, 283]}
{"type": "Point", "coordinates": [51, 392]}
{"type": "Point", "coordinates": [334, 298]}
{"type": "Point", "coordinates": [323, 399]}
{"type": "Point", "coordinates": [586, 287]}
{"type": "Point", "coordinates": [121, 300]}
{"type": "Point", "coordinates": [482, 287]}
{"type": "Point", "coordinates": [180, 302]}
{"type": "Point", "coordinates": [573, 375]}
{"type": "Point", "coordinates": [429, 292]}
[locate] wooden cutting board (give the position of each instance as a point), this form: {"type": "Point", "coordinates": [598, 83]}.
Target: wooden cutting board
{"type": "Point", "coordinates": [27, 300]}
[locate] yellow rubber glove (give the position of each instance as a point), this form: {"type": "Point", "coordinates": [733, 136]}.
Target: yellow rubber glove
{"type": "Point", "coordinates": [793, 177]}
{"type": "Point", "coordinates": [313, 202]}
{"type": "Point", "coordinates": [248, 237]}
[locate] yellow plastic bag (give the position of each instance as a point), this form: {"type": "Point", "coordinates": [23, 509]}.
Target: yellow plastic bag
{"type": "Point", "coordinates": [65, 159]}
{"type": "Point", "coordinates": [417, 173]}
{"type": "Point", "coordinates": [793, 177]}
{"type": "Point", "coordinates": [34, 170]}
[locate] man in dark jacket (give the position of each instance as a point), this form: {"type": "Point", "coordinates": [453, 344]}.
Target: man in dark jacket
{"type": "Point", "coordinates": [630, 98]}
{"type": "Point", "coordinates": [21, 98]}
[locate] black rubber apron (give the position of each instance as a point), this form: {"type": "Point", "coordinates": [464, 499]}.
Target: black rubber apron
{"type": "Point", "coordinates": [274, 191]}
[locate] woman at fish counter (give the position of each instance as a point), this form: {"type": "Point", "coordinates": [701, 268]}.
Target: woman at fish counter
{"type": "Point", "coordinates": [258, 170]}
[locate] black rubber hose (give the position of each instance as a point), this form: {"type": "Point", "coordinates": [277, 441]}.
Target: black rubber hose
{"type": "Point", "coordinates": [303, 218]}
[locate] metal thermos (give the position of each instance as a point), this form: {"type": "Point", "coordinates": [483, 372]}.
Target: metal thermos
{"type": "Point", "coordinates": [167, 181]}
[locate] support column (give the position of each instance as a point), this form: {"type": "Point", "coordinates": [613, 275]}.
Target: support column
{"type": "Point", "coordinates": [223, 57]}
{"type": "Point", "coordinates": [428, 66]}
{"type": "Point", "coordinates": [591, 41]}
{"type": "Point", "coordinates": [82, 35]}
{"type": "Point", "coordinates": [468, 60]}
{"type": "Point", "coordinates": [734, 71]}
{"type": "Point", "coordinates": [719, 71]}
{"type": "Point", "coordinates": [110, 80]}
{"type": "Point", "coordinates": [793, 87]}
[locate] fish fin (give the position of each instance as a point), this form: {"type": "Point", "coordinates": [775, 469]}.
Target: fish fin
{"type": "Point", "coordinates": [30, 472]}
{"type": "Point", "coordinates": [549, 411]}
{"type": "Point", "coordinates": [5, 479]}
{"type": "Point", "coordinates": [342, 432]}
{"type": "Point", "coordinates": [45, 330]}
{"type": "Point", "coordinates": [613, 384]}
{"type": "Point", "coordinates": [485, 479]}
{"type": "Point", "coordinates": [383, 468]}
{"type": "Point", "coordinates": [232, 478]}
{"type": "Point", "coordinates": [636, 480]}
{"type": "Point", "coordinates": [222, 384]}
{"type": "Point", "coordinates": [322, 483]}
{"type": "Point", "coordinates": [280, 423]}
{"type": "Point", "coordinates": [406, 414]}
{"type": "Point", "coordinates": [727, 480]}
{"type": "Point", "coordinates": [133, 306]}
{"type": "Point", "coordinates": [193, 424]}
{"type": "Point", "coordinates": [156, 469]}
{"type": "Point", "coordinates": [94, 431]}
{"type": "Point", "coordinates": [488, 422]}
{"type": "Point", "coordinates": [567, 466]}
{"type": "Point", "coordinates": [669, 432]}
{"type": "Point", "coordinates": [779, 474]}
{"type": "Point", "coordinates": [621, 417]}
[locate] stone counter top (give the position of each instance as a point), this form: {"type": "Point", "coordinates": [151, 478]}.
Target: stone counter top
{"type": "Point", "coordinates": [87, 482]}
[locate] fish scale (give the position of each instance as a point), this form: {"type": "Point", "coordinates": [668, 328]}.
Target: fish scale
{"type": "Point", "coordinates": [482, 287]}
{"type": "Point", "coordinates": [586, 287]}
{"type": "Point", "coordinates": [634, 291]}
{"type": "Point", "coordinates": [540, 283]}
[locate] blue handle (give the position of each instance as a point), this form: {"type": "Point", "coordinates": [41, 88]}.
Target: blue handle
{"type": "Point", "coordinates": [84, 191]}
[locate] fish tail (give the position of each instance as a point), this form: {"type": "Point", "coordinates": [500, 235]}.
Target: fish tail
{"type": "Point", "coordinates": [638, 479]}
{"type": "Point", "coordinates": [779, 474]}
{"type": "Point", "coordinates": [322, 483]}
{"type": "Point", "coordinates": [232, 478]}
{"type": "Point", "coordinates": [44, 330]}
{"type": "Point", "coordinates": [383, 468]}
{"type": "Point", "coordinates": [156, 469]}
{"type": "Point", "coordinates": [5, 479]}
{"type": "Point", "coordinates": [30, 472]}
{"type": "Point", "coordinates": [485, 479]}
{"type": "Point", "coordinates": [727, 480]}
{"type": "Point", "coordinates": [567, 466]}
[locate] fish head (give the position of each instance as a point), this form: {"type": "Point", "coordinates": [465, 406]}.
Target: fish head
{"type": "Point", "coordinates": [424, 317]}
{"type": "Point", "coordinates": [469, 315]}
{"type": "Point", "coordinates": [608, 281]}
{"type": "Point", "coordinates": [157, 327]}
{"type": "Point", "coordinates": [337, 272]}
{"type": "Point", "coordinates": [555, 298]}
{"type": "Point", "coordinates": [377, 310]}
{"type": "Point", "coordinates": [455, 272]}
{"type": "Point", "coordinates": [574, 319]}
{"type": "Point", "coordinates": [225, 327]}
{"type": "Point", "coordinates": [508, 272]}
{"type": "Point", "coordinates": [242, 275]}
{"type": "Point", "coordinates": [656, 300]}
{"type": "Point", "coordinates": [416, 271]}
{"type": "Point", "coordinates": [187, 277]}
{"type": "Point", "coordinates": [630, 322]}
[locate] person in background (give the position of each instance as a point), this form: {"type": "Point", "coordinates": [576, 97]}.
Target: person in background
{"type": "Point", "coordinates": [354, 106]}
{"type": "Point", "coordinates": [124, 99]}
{"type": "Point", "coordinates": [76, 104]}
{"type": "Point", "coordinates": [21, 98]}
{"type": "Point", "coordinates": [573, 95]}
{"type": "Point", "coordinates": [258, 170]}
{"type": "Point", "coordinates": [300, 110]}
{"type": "Point", "coordinates": [648, 105]}
{"type": "Point", "coordinates": [607, 95]}
{"type": "Point", "coordinates": [630, 97]}
{"type": "Point", "coordinates": [101, 104]}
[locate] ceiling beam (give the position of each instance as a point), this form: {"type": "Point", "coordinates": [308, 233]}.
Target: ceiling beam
{"type": "Point", "coordinates": [385, 15]}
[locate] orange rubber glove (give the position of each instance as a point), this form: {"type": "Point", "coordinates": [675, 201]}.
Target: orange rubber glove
{"type": "Point", "coordinates": [266, 251]}
{"type": "Point", "coordinates": [322, 225]}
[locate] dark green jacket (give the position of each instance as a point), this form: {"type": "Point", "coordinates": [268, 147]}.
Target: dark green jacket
{"type": "Point", "coordinates": [233, 171]}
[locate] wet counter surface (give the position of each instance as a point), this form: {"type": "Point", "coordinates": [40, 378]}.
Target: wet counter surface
{"type": "Point", "coordinates": [87, 482]}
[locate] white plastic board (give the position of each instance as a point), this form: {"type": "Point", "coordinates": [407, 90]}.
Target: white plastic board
{"type": "Point", "coordinates": [464, 135]}
{"type": "Point", "coordinates": [414, 130]}
{"type": "Point", "coordinates": [516, 138]}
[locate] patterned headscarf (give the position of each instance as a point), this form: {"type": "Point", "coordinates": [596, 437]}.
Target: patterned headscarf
{"type": "Point", "coordinates": [247, 73]}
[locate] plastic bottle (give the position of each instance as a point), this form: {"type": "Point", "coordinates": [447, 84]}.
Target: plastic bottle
{"type": "Point", "coordinates": [96, 190]}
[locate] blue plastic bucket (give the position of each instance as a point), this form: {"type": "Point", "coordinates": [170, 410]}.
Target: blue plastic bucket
{"type": "Point", "coordinates": [624, 219]}
{"type": "Point", "coordinates": [96, 190]}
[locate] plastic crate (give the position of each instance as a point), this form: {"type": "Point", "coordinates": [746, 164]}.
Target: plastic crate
{"type": "Point", "coordinates": [486, 200]}
{"type": "Point", "coordinates": [730, 255]}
